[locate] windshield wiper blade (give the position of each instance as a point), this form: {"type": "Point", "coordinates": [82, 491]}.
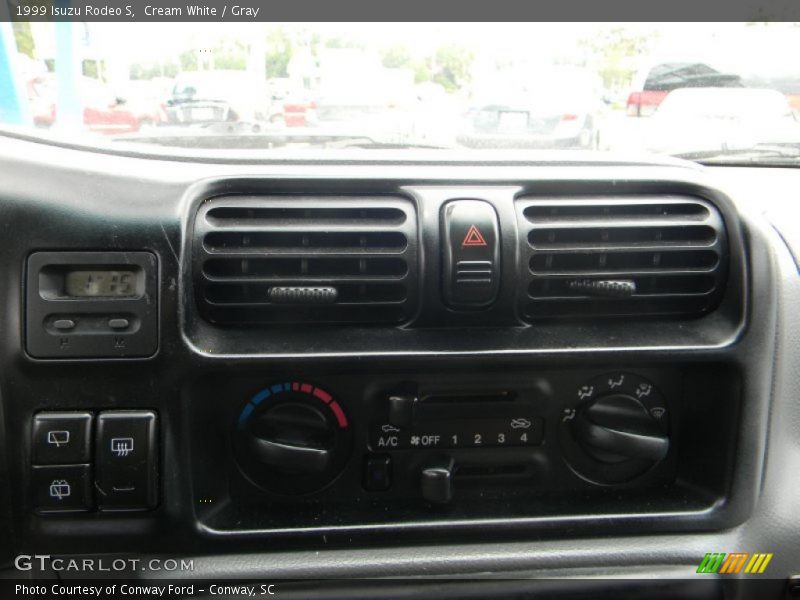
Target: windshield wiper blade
{"type": "Point", "coordinates": [241, 137]}
{"type": "Point", "coordinates": [756, 153]}
{"type": "Point", "coordinates": [379, 145]}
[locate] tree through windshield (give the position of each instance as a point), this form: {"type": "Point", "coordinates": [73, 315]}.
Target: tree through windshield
{"type": "Point", "coordinates": [608, 87]}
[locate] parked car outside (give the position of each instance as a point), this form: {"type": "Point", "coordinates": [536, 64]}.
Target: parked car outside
{"type": "Point", "coordinates": [652, 83]}
{"type": "Point", "coordinates": [698, 119]}
{"type": "Point", "coordinates": [563, 110]}
{"type": "Point", "coordinates": [103, 111]}
{"type": "Point", "coordinates": [204, 97]}
{"type": "Point", "coordinates": [147, 99]}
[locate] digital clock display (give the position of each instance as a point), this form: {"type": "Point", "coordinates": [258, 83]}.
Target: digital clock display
{"type": "Point", "coordinates": [101, 284]}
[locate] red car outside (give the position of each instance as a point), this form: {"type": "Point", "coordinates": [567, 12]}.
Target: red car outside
{"type": "Point", "coordinates": [651, 85]}
{"type": "Point", "coordinates": [102, 112]}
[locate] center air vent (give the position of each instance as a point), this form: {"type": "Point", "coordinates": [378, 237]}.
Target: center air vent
{"type": "Point", "coordinates": [620, 257]}
{"type": "Point", "coordinates": [272, 260]}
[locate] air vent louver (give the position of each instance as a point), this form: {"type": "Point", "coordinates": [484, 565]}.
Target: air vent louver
{"type": "Point", "coordinates": [273, 260]}
{"type": "Point", "coordinates": [620, 257]}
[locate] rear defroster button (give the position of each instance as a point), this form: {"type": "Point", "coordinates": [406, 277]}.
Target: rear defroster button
{"type": "Point", "coordinates": [126, 460]}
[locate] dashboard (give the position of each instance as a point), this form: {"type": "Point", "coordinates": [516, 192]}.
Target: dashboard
{"type": "Point", "coordinates": [370, 367]}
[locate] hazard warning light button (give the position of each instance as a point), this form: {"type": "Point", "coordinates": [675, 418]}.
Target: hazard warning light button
{"type": "Point", "coordinates": [471, 253]}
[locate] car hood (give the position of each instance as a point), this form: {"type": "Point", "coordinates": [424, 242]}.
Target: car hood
{"type": "Point", "coordinates": [693, 135]}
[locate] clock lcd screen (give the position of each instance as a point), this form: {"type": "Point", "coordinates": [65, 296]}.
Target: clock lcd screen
{"type": "Point", "coordinates": [100, 283]}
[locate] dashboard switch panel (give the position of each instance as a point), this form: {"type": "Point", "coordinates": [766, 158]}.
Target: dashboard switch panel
{"type": "Point", "coordinates": [92, 304]}
{"type": "Point", "coordinates": [471, 269]}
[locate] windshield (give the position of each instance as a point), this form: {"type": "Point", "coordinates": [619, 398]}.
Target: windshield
{"type": "Point", "coordinates": [595, 87]}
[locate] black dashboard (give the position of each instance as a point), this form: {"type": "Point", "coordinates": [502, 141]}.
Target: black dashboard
{"type": "Point", "coordinates": [398, 366]}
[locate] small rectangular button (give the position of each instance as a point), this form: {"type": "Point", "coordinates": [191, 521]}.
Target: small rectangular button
{"type": "Point", "coordinates": [126, 460]}
{"type": "Point", "coordinates": [61, 438]}
{"type": "Point", "coordinates": [62, 488]}
{"type": "Point", "coordinates": [118, 323]}
{"type": "Point", "coordinates": [377, 473]}
{"type": "Point", "coordinates": [477, 272]}
{"type": "Point", "coordinates": [64, 324]}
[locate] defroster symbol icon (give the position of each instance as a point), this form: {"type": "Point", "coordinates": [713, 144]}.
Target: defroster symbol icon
{"type": "Point", "coordinates": [121, 447]}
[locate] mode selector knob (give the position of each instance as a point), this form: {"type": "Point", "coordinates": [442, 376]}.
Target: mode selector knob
{"type": "Point", "coordinates": [618, 427]}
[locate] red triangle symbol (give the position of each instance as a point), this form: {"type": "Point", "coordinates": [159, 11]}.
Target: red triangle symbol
{"type": "Point", "coordinates": [473, 237]}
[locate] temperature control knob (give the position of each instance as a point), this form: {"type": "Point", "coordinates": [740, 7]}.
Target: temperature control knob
{"type": "Point", "coordinates": [292, 438]}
